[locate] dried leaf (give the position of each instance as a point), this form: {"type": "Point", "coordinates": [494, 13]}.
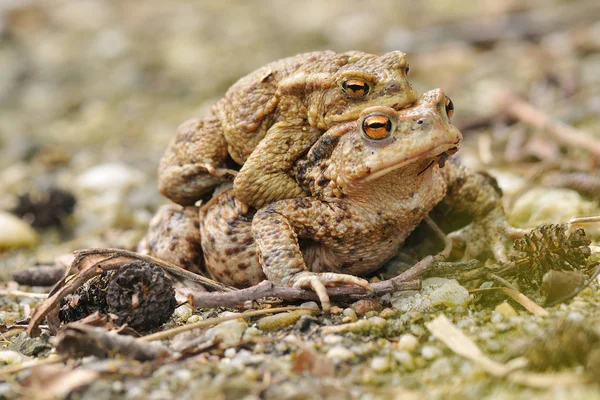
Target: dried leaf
{"type": "Point", "coordinates": [56, 381]}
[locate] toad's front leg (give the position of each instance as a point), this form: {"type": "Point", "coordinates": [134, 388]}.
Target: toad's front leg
{"type": "Point", "coordinates": [265, 178]}
{"type": "Point", "coordinates": [194, 163]}
{"type": "Point", "coordinates": [478, 195]}
{"type": "Point", "coordinates": [276, 230]}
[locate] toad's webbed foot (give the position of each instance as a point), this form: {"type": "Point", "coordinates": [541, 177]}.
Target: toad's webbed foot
{"type": "Point", "coordinates": [489, 234]}
{"type": "Point", "coordinates": [319, 281]}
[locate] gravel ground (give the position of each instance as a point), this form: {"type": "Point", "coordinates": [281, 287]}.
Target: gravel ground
{"type": "Point", "coordinates": [91, 92]}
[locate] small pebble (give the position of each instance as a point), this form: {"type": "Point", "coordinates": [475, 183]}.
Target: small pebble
{"type": "Point", "coordinates": [15, 233]}
{"type": "Point", "coordinates": [193, 319]}
{"type": "Point", "coordinates": [408, 342]}
{"type": "Point", "coordinates": [388, 313]}
{"type": "Point", "coordinates": [449, 294]}
{"type": "Point", "coordinates": [109, 176]}
{"type": "Point", "coordinates": [349, 315]}
{"type": "Point", "coordinates": [575, 316]}
{"type": "Point", "coordinates": [230, 352]}
{"type": "Point", "coordinates": [229, 332]}
{"type": "Point", "coordinates": [361, 307]}
{"type": "Point", "coordinates": [332, 339]}
{"type": "Point", "coordinates": [429, 352]}
{"type": "Point", "coordinates": [506, 310]}
{"type": "Point", "coordinates": [340, 354]}
{"type": "Point", "coordinates": [311, 304]}
{"type": "Point", "coordinates": [251, 332]}
{"type": "Point", "coordinates": [380, 364]}
{"type": "Point", "coordinates": [11, 357]}
{"type": "Point", "coordinates": [405, 359]}
{"type": "Point", "coordinates": [183, 313]}
{"type": "Point", "coordinates": [496, 317]}
{"type": "Point", "coordinates": [378, 322]}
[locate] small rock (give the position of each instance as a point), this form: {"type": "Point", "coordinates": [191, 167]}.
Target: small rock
{"type": "Point", "coordinates": [183, 313]}
{"type": "Point", "coordinates": [442, 367]}
{"type": "Point", "coordinates": [496, 318]}
{"type": "Point", "coordinates": [340, 354]}
{"type": "Point", "coordinates": [109, 176]}
{"type": "Point", "coordinates": [380, 364]}
{"type": "Point", "coordinates": [378, 323]}
{"type": "Point", "coordinates": [251, 332]}
{"type": "Point", "coordinates": [405, 359]}
{"type": "Point", "coordinates": [311, 304]}
{"type": "Point", "coordinates": [449, 294]}
{"type": "Point", "coordinates": [408, 342]}
{"type": "Point", "coordinates": [15, 232]}
{"type": "Point", "coordinates": [230, 352]}
{"type": "Point", "coordinates": [388, 313]}
{"type": "Point", "coordinates": [429, 352]}
{"type": "Point", "coordinates": [349, 315]}
{"type": "Point", "coordinates": [193, 319]}
{"type": "Point", "coordinates": [361, 307]}
{"type": "Point", "coordinates": [506, 310]}
{"type": "Point", "coordinates": [11, 357]}
{"type": "Point", "coordinates": [229, 332]}
{"type": "Point", "coordinates": [333, 339]}
{"type": "Point", "coordinates": [306, 323]}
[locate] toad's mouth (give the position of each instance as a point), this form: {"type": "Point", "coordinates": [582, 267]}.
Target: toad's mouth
{"type": "Point", "coordinates": [440, 159]}
{"type": "Point", "coordinates": [438, 155]}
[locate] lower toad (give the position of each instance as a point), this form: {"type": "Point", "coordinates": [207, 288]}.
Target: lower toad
{"type": "Point", "coordinates": [370, 183]}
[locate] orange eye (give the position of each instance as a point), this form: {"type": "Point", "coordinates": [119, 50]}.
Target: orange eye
{"type": "Point", "coordinates": [377, 127]}
{"type": "Point", "coordinates": [449, 107]}
{"type": "Point", "coordinates": [355, 88]}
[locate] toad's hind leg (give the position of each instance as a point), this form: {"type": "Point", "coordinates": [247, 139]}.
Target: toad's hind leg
{"type": "Point", "coordinates": [194, 162]}
{"type": "Point", "coordinates": [265, 178]}
{"type": "Point", "coordinates": [174, 236]}
{"type": "Point", "coordinates": [227, 241]}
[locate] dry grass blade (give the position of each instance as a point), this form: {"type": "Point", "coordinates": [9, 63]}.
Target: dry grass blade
{"type": "Point", "coordinates": [20, 293]}
{"type": "Point", "coordinates": [213, 321]}
{"type": "Point", "coordinates": [445, 331]}
{"type": "Point", "coordinates": [520, 298]}
{"type": "Point", "coordinates": [13, 369]}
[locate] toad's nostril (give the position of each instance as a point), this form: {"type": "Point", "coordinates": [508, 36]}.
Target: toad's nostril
{"type": "Point", "coordinates": [421, 121]}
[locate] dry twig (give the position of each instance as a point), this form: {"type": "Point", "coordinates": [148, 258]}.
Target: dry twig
{"type": "Point", "coordinates": [80, 340]}
{"type": "Point", "coordinates": [564, 134]}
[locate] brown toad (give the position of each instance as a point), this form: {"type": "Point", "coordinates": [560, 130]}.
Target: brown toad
{"type": "Point", "coordinates": [281, 108]}
{"type": "Point", "coordinates": [370, 181]}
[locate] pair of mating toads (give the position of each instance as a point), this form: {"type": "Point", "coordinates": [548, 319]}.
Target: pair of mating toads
{"type": "Point", "coordinates": [334, 161]}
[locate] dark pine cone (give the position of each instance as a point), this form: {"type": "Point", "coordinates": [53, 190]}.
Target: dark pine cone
{"type": "Point", "coordinates": [141, 295]}
{"type": "Point", "coordinates": [86, 300]}
{"type": "Point", "coordinates": [549, 248]}
{"type": "Point", "coordinates": [45, 209]}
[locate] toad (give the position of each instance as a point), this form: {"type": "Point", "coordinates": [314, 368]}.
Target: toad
{"type": "Point", "coordinates": [370, 182]}
{"type": "Point", "coordinates": [278, 110]}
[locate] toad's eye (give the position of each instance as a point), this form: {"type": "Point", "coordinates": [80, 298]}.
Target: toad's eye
{"type": "Point", "coordinates": [449, 107]}
{"type": "Point", "coordinates": [377, 127]}
{"type": "Point", "coordinates": [355, 88]}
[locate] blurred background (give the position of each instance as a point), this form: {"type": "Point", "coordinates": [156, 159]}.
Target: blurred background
{"type": "Point", "coordinates": [91, 91]}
